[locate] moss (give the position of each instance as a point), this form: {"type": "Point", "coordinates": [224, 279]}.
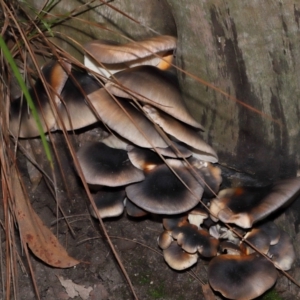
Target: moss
{"type": "Point", "coordinates": [158, 292]}
{"type": "Point", "coordinates": [270, 295]}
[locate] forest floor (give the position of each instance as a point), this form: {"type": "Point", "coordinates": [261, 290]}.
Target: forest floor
{"type": "Point", "coordinates": [98, 276]}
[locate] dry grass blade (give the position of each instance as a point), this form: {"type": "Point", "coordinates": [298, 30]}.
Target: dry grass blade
{"type": "Point", "coordinates": [33, 232]}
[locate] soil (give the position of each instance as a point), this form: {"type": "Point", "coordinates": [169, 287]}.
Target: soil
{"type": "Point", "coordinates": [98, 276]}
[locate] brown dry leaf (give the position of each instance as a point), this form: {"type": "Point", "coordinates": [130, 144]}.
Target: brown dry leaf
{"type": "Point", "coordinates": [39, 238]}
{"type": "Point", "coordinates": [207, 292]}
{"type": "Point", "coordinates": [74, 290]}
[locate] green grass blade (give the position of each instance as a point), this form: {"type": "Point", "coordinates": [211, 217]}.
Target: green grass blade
{"type": "Point", "coordinates": [28, 98]}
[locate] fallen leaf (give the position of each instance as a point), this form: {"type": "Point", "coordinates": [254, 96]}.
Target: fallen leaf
{"type": "Point", "coordinates": [39, 238]}
{"type": "Point", "coordinates": [75, 290]}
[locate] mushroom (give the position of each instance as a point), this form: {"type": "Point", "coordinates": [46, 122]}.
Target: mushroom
{"type": "Point", "coordinates": [283, 253]}
{"type": "Point", "coordinates": [165, 239]}
{"type": "Point", "coordinates": [163, 193]}
{"type": "Point", "coordinates": [177, 258]}
{"type": "Point", "coordinates": [182, 132]}
{"type": "Point", "coordinates": [155, 87]}
{"type": "Point", "coordinates": [245, 206]}
{"type": "Point", "coordinates": [109, 202]}
{"type": "Point", "coordinates": [22, 123]}
{"type": "Point", "coordinates": [133, 210]}
{"type": "Point", "coordinates": [241, 277]}
{"type": "Point", "coordinates": [197, 215]}
{"type": "Point", "coordinates": [107, 57]}
{"type": "Point", "coordinates": [102, 165]}
{"type": "Point", "coordinates": [191, 239]}
{"type": "Point", "coordinates": [174, 221]}
{"type": "Point", "coordinates": [122, 117]}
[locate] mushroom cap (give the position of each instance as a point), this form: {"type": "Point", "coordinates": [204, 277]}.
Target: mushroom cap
{"type": "Point", "coordinates": [230, 248]}
{"type": "Point", "coordinates": [272, 230]}
{"type": "Point", "coordinates": [245, 206]}
{"type": "Point", "coordinates": [257, 238]}
{"type": "Point", "coordinates": [102, 165]}
{"type": "Point", "coordinates": [283, 253]}
{"type": "Point", "coordinates": [163, 193]}
{"type": "Point", "coordinates": [74, 110]}
{"type": "Point", "coordinates": [211, 175]}
{"type": "Point", "coordinates": [109, 202]}
{"type": "Point", "coordinates": [241, 277]}
{"type": "Point", "coordinates": [55, 74]}
{"type": "Point", "coordinates": [177, 150]}
{"type": "Point", "coordinates": [181, 132]}
{"type": "Point", "coordinates": [177, 258]}
{"type": "Point", "coordinates": [156, 87]}
{"type": "Point", "coordinates": [197, 215]}
{"type": "Point", "coordinates": [165, 239]}
{"type": "Point", "coordinates": [144, 159]}
{"type": "Point", "coordinates": [109, 52]}
{"type": "Point", "coordinates": [133, 210]}
{"type": "Point", "coordinates": [191, 240]}
{"type": "Point", "coordinates": [126, 120]}
{"type": "Point", "coordinates": [116, 142]}
{"type": "Point", "coordinates": [174, 221]}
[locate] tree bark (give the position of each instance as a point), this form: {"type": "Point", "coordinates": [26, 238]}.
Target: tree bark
{"type": "Point", "coordinates": [249, 50]}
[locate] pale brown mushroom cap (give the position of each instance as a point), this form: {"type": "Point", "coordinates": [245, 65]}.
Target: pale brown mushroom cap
{"type": "Point", "coordinates": [109, 52]}
{"type": "Point", "coordinates": [165, 239]}
{"type": "Point", "coordinates": [153, 86]}
{"type": "Point", "coordinates": [181, 132]}
{"type": "Point", "coordinates": [177, 258]}
{"type": "Point", "coordinates": [242, 277]}
{"type": "Point", "coordinates": [245, 206]}
{"type": "Point", "coordinates": [102, 165]}
{"type": "Point", "coordinates": [163, 193]}
{"type": "Point", "coordinates": [127, 122]}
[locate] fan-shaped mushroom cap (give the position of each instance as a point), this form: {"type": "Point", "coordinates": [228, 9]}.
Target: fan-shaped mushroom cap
{"type": "Point", "coordinates": [227, 247]}
{"type": "Point", "coordinates": [241, 277]}
{"type": "Point", "coordinates": [55, 74]}
{"type": "Point", "coordinates": [144, 159]}
{"type": "Point", "coordinates": [165, 239]}
{"type": "Point", "coordinates": [109, 203]}
{"type": "Point", "coordinates": [163, 193]}
{"type": "Point", "coordinates": [116, 142]}
{"type": "Point", "coordinates": [74, 110]}
{"type": "Point", "coordinates": [191, 240]}
{"type": "Point", "coordinates": [283, 253]}
{"type": "Point", "coordinates": [272, 230]}
{"type": "Point", "coordinates": [181, 132]}
{"type": "Point", "coordinates": [127, 122]}
{"type": "Point", "coordinates": [259, 239]}
{"type": "Point", "coordinates": [133, 210]}
{"type": "Point", "coordinates": [102, 165]}
{"type": "Point", "coordinates": [151, 85]}
{"type": "Point", "coordinates": [177, 150]}
{"type": "Point", "coordinates": [177, 258]}
{"type": "Point", "coordinates": [245, 206]}
{"type": "Point", "coordinates": [115, 57]}
{"type": "Point", "coordinates": [174, 221]}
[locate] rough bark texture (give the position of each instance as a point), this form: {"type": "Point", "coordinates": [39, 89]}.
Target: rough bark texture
{"type": "Point", "coordinates": [249, 50]}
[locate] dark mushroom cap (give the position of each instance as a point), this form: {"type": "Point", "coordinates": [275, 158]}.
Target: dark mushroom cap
{"type": "Point", "coordinates": [283, 253]}
{"type": "Point", "coordinates": [177, 258]}
{"type": "Point", "coordinates": [144, 159]}
{"type": "Point", "coordinates": [210, 174]}
{"type": "Point", "coordinates": [171, 222]}
{"type": "Point", "coordinates": [126, 120]}
{"type": "Point", "coordinates": [55, 75]}
{"type": "Point", "coordinates": [181, 132]}
{"type": "Point", "coordinates": [133, 210]}
{"type": "Point", "coordinates": [270, 229]}
{"type": "Point", "coordinates": [191, 240]}
{"type": "Point", "coordinates": [245, 206]}
{"type": "Point", "coordinates": [163, 193]}
{"type": "Point", "coordinates": [109, 202]}
{"type": "Point", "coordinates": [102, 165]}
{"type": "Point", "coordinates": [241, 277]}
{"type": "Point", "coordinates": [74, 110]}
{"type": "Point", "coordinates": [154, 86]}
{"type": "Point", "coordinates": [259, 239]}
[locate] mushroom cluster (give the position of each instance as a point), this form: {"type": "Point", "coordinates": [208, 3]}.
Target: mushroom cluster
{"type": "Point", "coordinates": [155, 162]}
